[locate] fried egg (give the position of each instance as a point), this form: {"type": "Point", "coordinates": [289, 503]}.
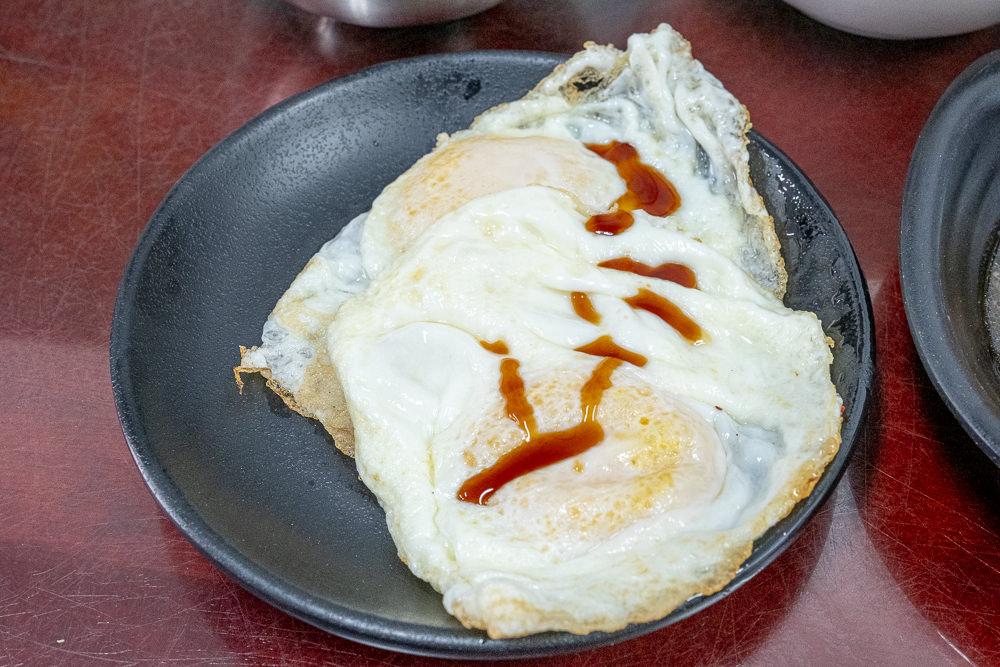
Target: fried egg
{"type": "Point", "coordinates": [557, 350]}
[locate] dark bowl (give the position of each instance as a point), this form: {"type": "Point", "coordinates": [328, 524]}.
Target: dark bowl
{"type": "Point", "coordinates": [948, 237]}
{"type": "Point", "coordinates": [394, 13]}
{"type": "Point", "coordinates": [258, 489]}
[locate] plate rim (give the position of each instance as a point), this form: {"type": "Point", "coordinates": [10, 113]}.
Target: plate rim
{"type": "Point", "coordinates": [398, 635]}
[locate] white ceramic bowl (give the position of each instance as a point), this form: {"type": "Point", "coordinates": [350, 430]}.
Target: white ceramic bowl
{"type": "Point", "coordinates": [902, 19]}
{"type": "Point", "coordinates": [395, 13]}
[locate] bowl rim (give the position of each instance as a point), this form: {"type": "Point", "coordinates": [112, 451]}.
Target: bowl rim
{"type": "Point", "coordinates": [923, 223]}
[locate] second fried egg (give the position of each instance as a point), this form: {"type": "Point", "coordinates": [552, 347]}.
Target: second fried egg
{"type": "Point", "coordinates": [470, 350]}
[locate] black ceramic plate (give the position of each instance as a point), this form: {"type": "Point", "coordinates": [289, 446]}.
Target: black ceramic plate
{"type": "Point", "coordinates": [262, 492]}
{"type": "Point", "coordinates": [948, 234]}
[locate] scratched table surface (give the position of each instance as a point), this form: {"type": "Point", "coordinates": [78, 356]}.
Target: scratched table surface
{"type": "Point", "coordinates": [104, 104]}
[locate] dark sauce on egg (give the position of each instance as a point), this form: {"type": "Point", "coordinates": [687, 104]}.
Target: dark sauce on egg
{"type": "Point", "coordinates": [538, 450]}
{"type": "Point", "coordinates": [675, 273]}
{"type": "Point", "coordinates": [668, 311]}
{"type": "Point", "coordinates": [583, 307]}
{"type": "Point", "coordinates": [646, 189]}
{"type": "Point", "coordinates": [606, 347]}
{"type": "Point", "coordinates": [610, 224]}
{"type": "Point", "coordinates": [496, 347]}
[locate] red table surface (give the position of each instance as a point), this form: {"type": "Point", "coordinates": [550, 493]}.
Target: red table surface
{"type": "Point", "coordinates": [104, 104]}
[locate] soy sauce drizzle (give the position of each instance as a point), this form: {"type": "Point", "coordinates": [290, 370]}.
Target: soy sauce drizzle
{"type": "Point", "coordinates": [584, 308]}
{"type": "Point", "coordinates": [667, 311]}
{"type": "Point", "coordinates": [496, 347]}
{"type": "Point", "coordinates": [675, 273]}
{"type": "Point", "coordinates": [538, 450]}
{"type": "Point", "coordinates": [648, 190]}
{"type": "Point", "coordinates": [606, 347]}
{"type": "Point", "coordinates": [610, 224]}
{"type": "Point", "coordinates": [645, 189]}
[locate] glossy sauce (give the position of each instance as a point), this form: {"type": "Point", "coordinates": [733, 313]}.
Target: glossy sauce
{"type": "Point", "coordinates": [646, 189]}
{"type": "Point", "coordinates": [538, 450]}
{"type": "Point", "coordinates": [584, 308]}
{"type": "Point", "coordinates": [606, 347]}
{"type": "Point", "coordinates": [667, 311]}
{"type": "Point", "coordinates": [675, 273]}
{"type": "Point", "coordinates": [496, 347]}
{"type": "Point", "coordinates": [610, 224]}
